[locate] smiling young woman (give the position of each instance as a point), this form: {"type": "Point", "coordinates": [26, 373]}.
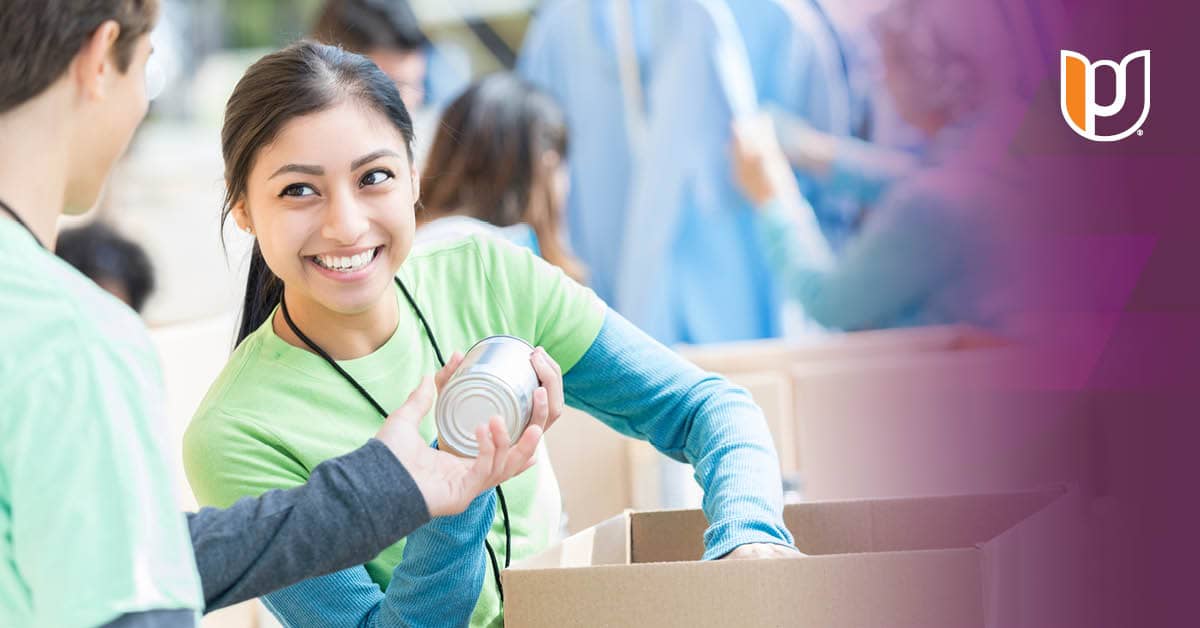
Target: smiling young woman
{"type": "Point", "coordinates": [343, 317]}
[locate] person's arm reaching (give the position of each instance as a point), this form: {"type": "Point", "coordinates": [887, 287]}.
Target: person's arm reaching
{"type": "Point", "coordinates": [640, 388]}
{"type": "Point", "coordinates": [387, 488]}
{"type": "Point", "coordinates": [261, 544]}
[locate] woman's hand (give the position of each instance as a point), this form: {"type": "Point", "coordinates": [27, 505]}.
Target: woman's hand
{"type": "Point", "coordinates": [550, 376]}
{"type": "Point", "coordinates": [762, 550]}
{"type": "Point", "coordinates": [447, 482]}
{"type": "Point", "coordinates": [759, 166]}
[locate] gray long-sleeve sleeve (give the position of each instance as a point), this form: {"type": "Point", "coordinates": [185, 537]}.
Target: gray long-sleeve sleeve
{"type": "Point", "coordinates": [351, 508]}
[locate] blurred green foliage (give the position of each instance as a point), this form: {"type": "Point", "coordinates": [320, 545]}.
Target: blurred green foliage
{"type": "Point", "coordinates": [266, 23]}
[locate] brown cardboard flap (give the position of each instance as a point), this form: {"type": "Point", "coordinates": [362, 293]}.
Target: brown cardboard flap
{"type": "Point", "coordinates": [930, 589]}
{"type": "Point", "coordinates": [757, 355]}
{"type": "Point", "coordinates": [854, 526]}
{"type": "Point", "coordinates": [606, 543]}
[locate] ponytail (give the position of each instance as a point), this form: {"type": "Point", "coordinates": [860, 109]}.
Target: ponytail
{"type": "Point", "coordinates": [263, 292]}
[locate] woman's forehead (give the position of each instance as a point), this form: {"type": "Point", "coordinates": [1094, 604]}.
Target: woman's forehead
{"type": "Point", "coordinates": [333, 138]}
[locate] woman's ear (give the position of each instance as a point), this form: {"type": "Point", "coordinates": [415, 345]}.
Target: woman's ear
{"type": "Point", "coordinates": [241, 216]}
{"type": "Point", "coordinates": [415, 177]}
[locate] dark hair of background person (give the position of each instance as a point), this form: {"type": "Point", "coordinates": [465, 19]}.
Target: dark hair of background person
{"type": "Point", "coordinates": [364, 25]}
{"type": "Point", "coordinates": [304, 78]}
{"type": "Point", "coordinates": [39, 38]}
{"type": "Point", "coordinates": [487, 162]}
{"type": "Point", "coordinates": [115, 263]}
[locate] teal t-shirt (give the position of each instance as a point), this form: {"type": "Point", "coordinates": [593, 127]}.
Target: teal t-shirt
{"type": "Point", "coordinates": [89, 527]}
{"type": "Point", "coordinates": [276, 411]}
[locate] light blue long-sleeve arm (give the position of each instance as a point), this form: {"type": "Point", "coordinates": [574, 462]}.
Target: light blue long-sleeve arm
{"type": "Point", "coordinates": [642, 389]}
{"type": "Point", "coordinates": [867, 170]}
{"type": "Point", "coordinates": [905, 251]}
{"type": "Point", "coordinates": [860, 169]}
{"type": "Point", "coordinates": [437, 583]}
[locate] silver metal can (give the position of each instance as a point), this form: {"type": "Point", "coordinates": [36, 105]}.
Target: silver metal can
{"type": "Point", "coordinates": [495, 378]}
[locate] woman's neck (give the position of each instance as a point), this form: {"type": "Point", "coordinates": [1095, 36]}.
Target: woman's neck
{"type": "Point", "coordinates": [342, 336]}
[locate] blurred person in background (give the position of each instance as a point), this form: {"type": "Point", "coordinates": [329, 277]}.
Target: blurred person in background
{"type": "Point", "coordinates": [389, 33]}
{"type": "Point", "coordinates": [928, 253]}
{"type": "Point", "coordinates": [115, 263]}
{"type": "Point", "coordinates": [89, 531]}
{"type": "Point", "coordinates": [807, 68]}
{"type": "Point", "coordinates": [498, 166]}
{"type": "Point", "coordinates": [342, 312]}
{"type": "Point", "coordinates": [649, 90]}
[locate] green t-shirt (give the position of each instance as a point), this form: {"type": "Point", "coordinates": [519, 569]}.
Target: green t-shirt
{"type": "Point", "coordinates": [89, 527]}
{"type": "Point", "coordinates": [277, 411]}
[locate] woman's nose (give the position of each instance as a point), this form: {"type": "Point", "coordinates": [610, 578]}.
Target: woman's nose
{"type": "Point", "coordinates": [346, 220]}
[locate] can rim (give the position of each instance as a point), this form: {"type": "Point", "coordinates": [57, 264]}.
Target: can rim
{"type": "Point", "coordinates": [494, 336]}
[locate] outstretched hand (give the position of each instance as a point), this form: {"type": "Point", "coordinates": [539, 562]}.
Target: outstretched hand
{"type": "Point", "coordinates": [447, 482]}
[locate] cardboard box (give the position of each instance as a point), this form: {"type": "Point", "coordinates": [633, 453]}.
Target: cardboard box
{"type": "Point", "coordinates": [781, 355]}
{"type": "Point", "coordinates": [766, 368]}
{"type": "Point", "coordinates": [935, 423]}
{"type": "Point", "coordinates": [636, 476]}
{"type": "Point", "coordinates": [591, 462]}
{"type": "Point", "coordinates": [963, 561]}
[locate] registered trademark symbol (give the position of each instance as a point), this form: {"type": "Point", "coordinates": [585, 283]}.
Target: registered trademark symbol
{"type": "Point", "coordinates": [1140, 132]}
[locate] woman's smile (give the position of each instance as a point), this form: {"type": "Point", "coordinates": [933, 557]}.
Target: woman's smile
{"type": "Point", "coordinates": [346, 265]}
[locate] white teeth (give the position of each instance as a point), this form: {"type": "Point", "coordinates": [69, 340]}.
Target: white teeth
{"type": "Point", "coordinates": [346, 264]}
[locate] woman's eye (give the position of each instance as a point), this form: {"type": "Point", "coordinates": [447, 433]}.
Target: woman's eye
{"type": "Point", "coordinates": [298, 189]}
{"type": "Point", "coordinates": [374, 177]}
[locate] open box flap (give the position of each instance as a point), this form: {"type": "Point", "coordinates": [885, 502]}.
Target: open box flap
{"type": "Point", "coordinates": [855, 526]}
{"type": "Point", "coordinates": [606, 543]}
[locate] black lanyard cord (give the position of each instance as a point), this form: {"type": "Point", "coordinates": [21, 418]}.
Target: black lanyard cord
{"type": "Point", "coordinates": [424, 323]}
{"type": "Point", "coordinates": [11, 212]}
{"type": "Point", "coordinates": [287, 317]}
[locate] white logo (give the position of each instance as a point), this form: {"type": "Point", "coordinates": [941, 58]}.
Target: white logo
{"type": "Point", "coordinates": [1078, 93]}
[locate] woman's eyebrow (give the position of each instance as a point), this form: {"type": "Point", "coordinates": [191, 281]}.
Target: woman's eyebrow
{"type": "Point", "coordinates": [369, 157]}
{"type": "Point", "coordinates": [301, 168]}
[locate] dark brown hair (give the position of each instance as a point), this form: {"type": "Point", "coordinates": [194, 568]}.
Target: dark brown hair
{"type": "Point", "coordinates": [363, 25]}
{"type": "Point", "coordinates": [102, 254]}
{"type": "Point", "coordinates": [302, 79]}
{"type": "Point", "coordinates": [486, 162]}
{"type": "Point", "coordinates": [39, 38]}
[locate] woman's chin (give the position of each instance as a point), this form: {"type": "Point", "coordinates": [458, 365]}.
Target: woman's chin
{"type": "Point", "coordinates": [350, 298]}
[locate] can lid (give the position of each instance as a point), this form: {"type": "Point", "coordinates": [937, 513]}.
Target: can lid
{"type": "Point", "coordinates": [468, 403]}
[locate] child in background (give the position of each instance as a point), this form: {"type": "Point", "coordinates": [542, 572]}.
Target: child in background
{"type": "Point", "coordinates": [117, 264]}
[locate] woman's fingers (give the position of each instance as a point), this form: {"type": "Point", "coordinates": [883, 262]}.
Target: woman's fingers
{"type": "Point", "coordinates": [541, 409]}
{"type": "Point", "coordinates": [550, 376]}
{"type": "Point", "coordinates": [762, 550]}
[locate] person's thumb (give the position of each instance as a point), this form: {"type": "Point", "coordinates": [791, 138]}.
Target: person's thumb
{"type": "Point", "coordinates": [418, 403]}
